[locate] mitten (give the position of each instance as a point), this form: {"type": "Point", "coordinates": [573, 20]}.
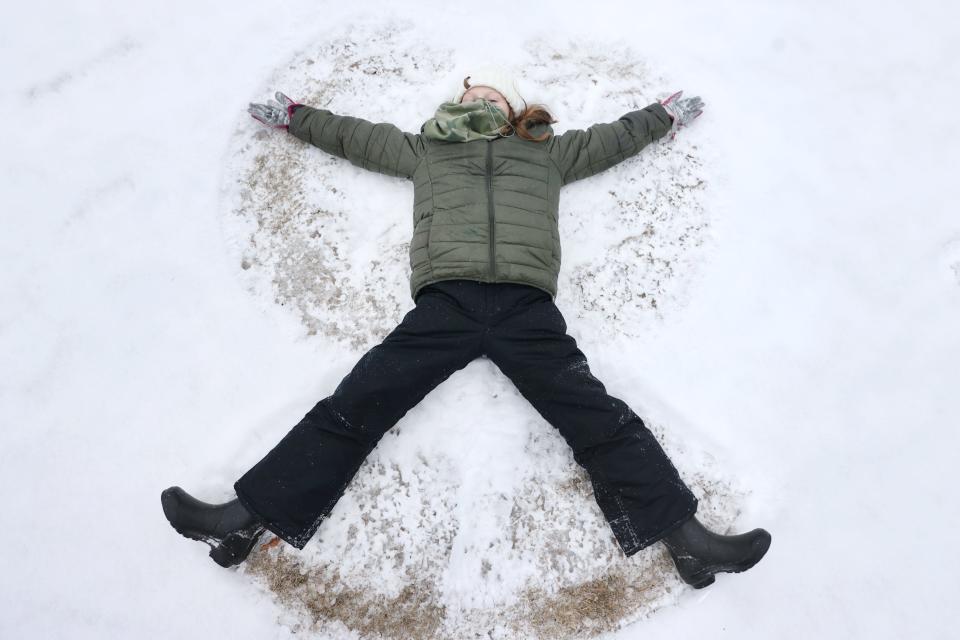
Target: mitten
{"type": "Point", "coordinates": [275, 113]}
{"type": "Point", "coordinates": [682, 110]}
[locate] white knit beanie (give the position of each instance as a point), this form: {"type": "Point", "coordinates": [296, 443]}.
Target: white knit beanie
{"type": "Point", "coordinates": [496, 78]}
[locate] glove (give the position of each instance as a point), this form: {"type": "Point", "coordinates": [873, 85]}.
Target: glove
{"type": "Point", "coordinates": [682, 110]}
{"type": "Point", "coordinates": [276, 113]}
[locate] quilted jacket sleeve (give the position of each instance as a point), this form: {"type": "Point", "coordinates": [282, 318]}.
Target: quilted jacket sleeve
{"type": "Point", "coordinates": [380, 147]}
{"type": "Point", "coordinates": [582, 153]}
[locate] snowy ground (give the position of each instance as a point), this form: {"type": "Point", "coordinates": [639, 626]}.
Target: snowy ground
{"type": "Point", "coordinates": [800, 362]}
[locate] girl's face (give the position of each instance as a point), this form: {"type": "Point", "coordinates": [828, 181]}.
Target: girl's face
{"type": "Point", "coordinates": [487, 93]}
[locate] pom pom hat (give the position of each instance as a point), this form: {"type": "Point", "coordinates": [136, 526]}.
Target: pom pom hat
{"type": "Point", "coordinates": [497, 78]}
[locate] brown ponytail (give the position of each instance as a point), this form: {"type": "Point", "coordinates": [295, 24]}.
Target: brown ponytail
{"type": "Point", "coordinates": [534, 114]}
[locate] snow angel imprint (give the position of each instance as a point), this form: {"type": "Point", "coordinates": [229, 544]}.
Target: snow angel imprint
{"type": "Point", "coordinates": [487, 171]}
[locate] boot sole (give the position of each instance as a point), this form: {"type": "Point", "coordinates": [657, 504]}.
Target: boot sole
{"type": "Point", "coordinates": [230, 551]}
{"type": "Point", "coordinates": [707, 577]}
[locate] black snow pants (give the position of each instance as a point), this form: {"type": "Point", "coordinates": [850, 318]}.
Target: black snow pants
{"type": "Point", "coordinates": [295, 486]}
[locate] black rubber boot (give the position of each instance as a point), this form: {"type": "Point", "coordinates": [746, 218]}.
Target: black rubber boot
{"type": "Point", "coordinates": [699, 553]}
{"type": "Point", "coordinates": [229, 529]}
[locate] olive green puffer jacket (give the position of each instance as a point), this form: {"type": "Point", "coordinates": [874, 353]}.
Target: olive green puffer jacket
{"type": "Point", "coordinates": [483, 210]}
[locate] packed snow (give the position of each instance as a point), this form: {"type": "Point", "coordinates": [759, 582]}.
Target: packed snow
{"type": "Point", "coordinates": [776, 292]}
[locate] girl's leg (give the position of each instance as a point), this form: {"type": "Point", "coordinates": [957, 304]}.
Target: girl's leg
{"type": "Point", "coordinates": [635, 484]}
{"type": "Point", "coordinates": [297, 484]}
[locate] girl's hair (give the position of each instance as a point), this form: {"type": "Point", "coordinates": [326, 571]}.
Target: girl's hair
{"type": "Point", "coordinates": [532, 114]}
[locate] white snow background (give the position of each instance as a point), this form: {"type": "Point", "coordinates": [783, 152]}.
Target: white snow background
{"type": "Point", "coordinates": [814, 353]}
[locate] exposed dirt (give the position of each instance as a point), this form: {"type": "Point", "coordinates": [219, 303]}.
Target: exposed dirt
{"type": "Point", "coordinates": [319, 600]}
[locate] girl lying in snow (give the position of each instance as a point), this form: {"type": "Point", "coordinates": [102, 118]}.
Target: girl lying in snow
{"type": "Point", "coordinates": [485, 255]}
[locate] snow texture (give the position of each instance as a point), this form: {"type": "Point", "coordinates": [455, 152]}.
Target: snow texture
{"type": "Point", "coordinates": [776, 292]}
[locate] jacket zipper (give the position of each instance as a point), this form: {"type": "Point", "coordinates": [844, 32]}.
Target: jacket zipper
{"type": "Point", "coordinates": [493, 265]}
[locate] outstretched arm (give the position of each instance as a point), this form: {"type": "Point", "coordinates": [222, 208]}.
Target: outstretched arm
{"type": "Point", "coordinates": [582, 153]}
{"type": "Point", "coordinates": [380, 147]}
